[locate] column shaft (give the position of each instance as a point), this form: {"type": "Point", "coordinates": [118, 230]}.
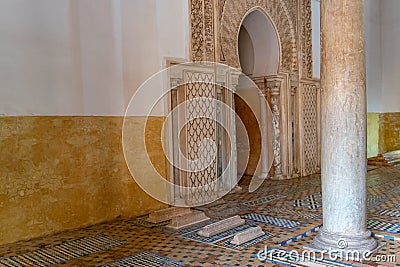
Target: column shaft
{"type": "Point", "coordinates": [264, 137]}
{"type": "Point", "coordinates": [343, 122]}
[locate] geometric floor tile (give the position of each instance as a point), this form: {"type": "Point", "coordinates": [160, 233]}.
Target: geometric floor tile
{"type": "Point", "coordinates": [222, 213]}
{"type": "Point", "coordinates": [273, 189]}
{"type": "Point", "coordinates": [144, 259]}
{"type": "Point", "coordinates": [294, 239]}
{"type": "Point", "coordinates": [147, 244]}
{"type": "Point", "coordinates": [63, 252]}
{"type": "Point", "coordinates": [389, 213]}
{"type": "Point", "coordinates": [393, 228]}
{"type": "Point", "coordinates": [374, 201]}
{"type": "Point", "coordinates": [263, 200]}
{"type": "Point", "coordinates": [271, 220]}
{"type": "Point", "coordinates": [299, 189]}
{"type": "Point", "coordinates": [298, 213]}
{"type": "Point", "coordinates": [395, 190]}
{"type": "Point", "coordinates": [312, 201]}
{"type": "Point", "coordinates": [392, 238]}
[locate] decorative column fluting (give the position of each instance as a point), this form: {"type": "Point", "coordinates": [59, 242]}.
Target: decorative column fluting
{"type": "Point", "coordinates": [343, 121]}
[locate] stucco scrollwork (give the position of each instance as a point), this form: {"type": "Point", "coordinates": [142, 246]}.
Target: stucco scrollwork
{"type": "Point", "coordinates": [274, 87]}
{"type": "Point", "coordinates": [202, 30]}
{"type": "Point", "coordinates": [233, 14]}
{"type": "Point", "coordinates": [306, 39]}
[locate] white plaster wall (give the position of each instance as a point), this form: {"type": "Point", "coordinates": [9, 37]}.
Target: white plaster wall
{"type": "Point", "coordinates": [390, 30]}
{"type": "Point", "coordinates": [85, 57]}
{"type": "Point", "coordinates": [39, 57]}
{"type": "Point", "coordinates": [100, 56]}
{"type": "Point", "coordinates": [372, 18]}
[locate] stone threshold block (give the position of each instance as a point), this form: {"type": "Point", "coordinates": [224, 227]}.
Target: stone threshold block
{"type": "Point", "coordinates": [185, 220]}
{"type": "Point", "coordinates": [247, 235]}
{"type": "Point", "coordinates": [167, 214]}
{"type": "Point", "coordinates": [221, 226]}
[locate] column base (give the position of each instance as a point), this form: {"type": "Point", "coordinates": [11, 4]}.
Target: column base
{"type": "Point", "coordinates": [348, 247]}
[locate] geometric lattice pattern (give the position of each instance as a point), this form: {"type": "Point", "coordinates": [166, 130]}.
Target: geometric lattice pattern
{"type": "Point", "coordinates": [374, 201]}
{"type": "Point", "coordinates": [310, 128]}
{"type": "Point", "coordinates": [263, 200]}
{"type": "Point", "coordinates": [395, 190]}
{"type": "Point", "coordinates": [297, 238]}
{"type": "Point", "coordinates": [389, 213]}
{"type": "Point", "coordinates": [201, 135]}
{"type": "Point", "coordinates": [393, 228]}
{"type": "Point", "coordinates": [397, 205]}
{"type": "Point", "coordinates": [271, 220]}
{"type": "Point", "coordinates": [64, 252]}
{"type": "Point", "coordinates": [298, 213]}
{"type": "Point", "coordinates": [144, 259]}
{"type": "Point", "coordinates": [312, 201]}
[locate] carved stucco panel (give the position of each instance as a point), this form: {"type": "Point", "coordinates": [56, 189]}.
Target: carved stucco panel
{"type": "Point", "coordinates": [233, 14]}
{"type": "Point", "coordinates": [306, 39]}
{"type": "Point", "coordinates": [202, 30]}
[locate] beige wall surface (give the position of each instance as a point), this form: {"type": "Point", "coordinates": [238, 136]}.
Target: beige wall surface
{"type": "Point", "coordinates": [372, 134]}
{"type": "Point", "coordinates": [59, 173]}
{"type": "Point", "coordinates": [68, 70]}
{"type": "Point", "coordinates": [383, 133]}
{"type": "Point", "coordinates": [389, 132]}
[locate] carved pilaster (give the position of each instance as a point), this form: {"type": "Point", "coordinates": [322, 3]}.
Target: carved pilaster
{"type": "Point", "coordinates": [202, 30]}
{"type": "Point", "coordinates": [294, 81]}
{"type": "Point", "coordinates": [263, 92]}
{"type": "Point", "coordinates": [306, 39]}
{"type": "Point", "coordinates": [260, 82]}
{"type": "Point", "coordinates": [274, 87]}
{"type": "Point", "coordinates": [293, 140]}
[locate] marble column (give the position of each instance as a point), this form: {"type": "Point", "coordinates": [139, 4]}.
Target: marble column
{"type": "Point", "coordinates": [343, 125]}
{"type": "Point", "coordinates": [264, 136]}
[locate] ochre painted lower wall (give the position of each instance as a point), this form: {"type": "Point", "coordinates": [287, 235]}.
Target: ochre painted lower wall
{"type": "Point", "coordinates": [59, 173]}
{"type": "Point", "coordinates": [389, 132]}
{"type": "Point", "coordinates": [372, 134]}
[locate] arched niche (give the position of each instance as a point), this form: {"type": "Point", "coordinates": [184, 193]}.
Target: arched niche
{"type": "Point", "coordinates": [258, 45]}
{"type": "Point", "coordinates": [236, 11]}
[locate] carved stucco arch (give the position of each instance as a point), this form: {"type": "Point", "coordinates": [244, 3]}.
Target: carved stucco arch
{"type": "Point", "coordinates": [235, 11]}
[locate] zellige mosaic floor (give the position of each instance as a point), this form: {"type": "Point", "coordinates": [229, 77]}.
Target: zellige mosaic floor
{"type": "Point", "coordinates": [289, 212]}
